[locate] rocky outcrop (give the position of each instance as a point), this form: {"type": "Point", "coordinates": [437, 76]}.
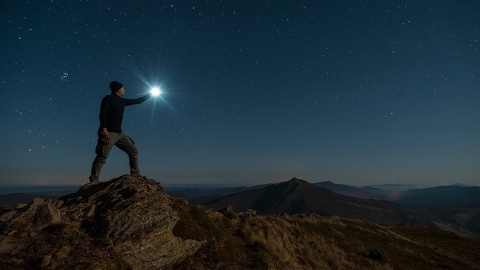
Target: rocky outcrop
{"type": "Point", "coordinates": [31, 218]}
{"type": "Point", "coordinates": [131, 213]}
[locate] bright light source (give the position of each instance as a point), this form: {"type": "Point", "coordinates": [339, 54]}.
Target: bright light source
{"type": "Point", "coordinates": [155, 91]}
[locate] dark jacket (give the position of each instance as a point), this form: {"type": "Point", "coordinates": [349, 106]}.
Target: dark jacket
{"type": "Point", "coordinates": [111, 111]}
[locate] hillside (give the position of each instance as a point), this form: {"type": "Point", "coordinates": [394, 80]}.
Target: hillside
{"type": "Point", "coordinates": [363, 193]}
{"type": "Point", "coordinates": [442, 196]}
{"type": "Point", "coordinates": [310, 241]}
{"type": "Point", "coordinates": [131, 223]}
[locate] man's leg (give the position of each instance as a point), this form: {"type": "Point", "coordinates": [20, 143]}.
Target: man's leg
{"type": "Point", "coordinates": [102, 151]}
{"type": "Point", "coordinates": [126, 144]}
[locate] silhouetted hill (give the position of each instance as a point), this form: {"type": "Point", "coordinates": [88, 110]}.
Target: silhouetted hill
{"type": "Point", "coordinates": [19, 198]}
{"type": "Point", "coordinates": [454, 208]}
{"type": "Point", "coordinates": [199, 194]}
{"type": "Point", "coordinates": [442, 196]}
{"type": "Point", "coordinates": [20, 195]}
{"type": "Point", "coordinates": [363, 193]}
{"type": "Point", "coordinates": [298, 196]}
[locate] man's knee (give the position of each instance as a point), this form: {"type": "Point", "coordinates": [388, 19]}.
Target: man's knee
{"type": "Point", "coordinates": [103, 148]}
{"type": "Point", "coordinates": [133, 153]}
{"type": "Point", "coordinates": [100, 160]}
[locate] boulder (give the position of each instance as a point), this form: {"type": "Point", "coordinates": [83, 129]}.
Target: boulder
{"type": "Point", "coordinates": [132, 214]}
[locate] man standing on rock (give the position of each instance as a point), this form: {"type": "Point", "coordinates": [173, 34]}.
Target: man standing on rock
{"type": "Point", "coordinates": [110, 132]}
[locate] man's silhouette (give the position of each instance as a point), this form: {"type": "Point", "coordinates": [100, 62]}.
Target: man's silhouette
{"type": "Point", "coordinates": [110, 131]}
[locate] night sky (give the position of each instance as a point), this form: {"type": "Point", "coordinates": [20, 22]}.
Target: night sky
{"type": "Point", "coordinates": [354, 92]}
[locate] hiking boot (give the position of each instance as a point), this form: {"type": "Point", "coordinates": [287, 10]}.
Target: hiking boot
{"type": "Point", "coordinates": [94, 181]}
{"type": "Point", "coordinates": [137, 174]}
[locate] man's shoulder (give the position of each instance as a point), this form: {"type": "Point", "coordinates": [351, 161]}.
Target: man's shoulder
{"type": "Point", "coordinates": [107, 97]}
{"type": "Point", "coordinates": [106, 100]}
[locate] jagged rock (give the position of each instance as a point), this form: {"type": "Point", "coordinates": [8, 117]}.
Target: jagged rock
{"type": "Point", "coordinates": [132, 213]}
{"type": "Point", "coordinates": [30, 218]}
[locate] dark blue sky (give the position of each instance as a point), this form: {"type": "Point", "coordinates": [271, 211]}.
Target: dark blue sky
{"type": "Point", "coordinates": [355, 92]}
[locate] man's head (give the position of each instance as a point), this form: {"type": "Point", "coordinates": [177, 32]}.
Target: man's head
{"type": "Point", "coordinates": [117, 88]}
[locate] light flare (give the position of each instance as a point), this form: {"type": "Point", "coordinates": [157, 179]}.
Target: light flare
{"type": "Point", "coordinates": [155, 91]}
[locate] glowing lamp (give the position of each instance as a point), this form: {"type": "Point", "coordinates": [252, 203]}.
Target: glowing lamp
{"type": "Point", "coordinates": [155, 91]}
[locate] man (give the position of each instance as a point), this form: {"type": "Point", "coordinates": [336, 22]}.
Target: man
{"type": "Point", "coordinates": [110, 132]}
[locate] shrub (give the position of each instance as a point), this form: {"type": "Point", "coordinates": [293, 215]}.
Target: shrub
{"type": "Point", "coordinates": [377, 255]}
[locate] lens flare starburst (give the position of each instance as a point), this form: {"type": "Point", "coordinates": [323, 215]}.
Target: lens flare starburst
{"type": "Point", "coordinates": [155, 91]}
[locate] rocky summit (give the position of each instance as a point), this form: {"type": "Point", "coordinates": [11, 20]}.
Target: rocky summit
{"type": "Point", "coordinates": [125, 223]}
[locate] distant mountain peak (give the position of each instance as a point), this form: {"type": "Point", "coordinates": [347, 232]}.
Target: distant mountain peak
{"type": "Point", "coordinates": [293, 185]}
{"type": "Point", "coordinates": [300, 196]}
{"type": "Point", "coordinates": [462, 185]}
{"type": "Point", "coordinates": [297, 181]}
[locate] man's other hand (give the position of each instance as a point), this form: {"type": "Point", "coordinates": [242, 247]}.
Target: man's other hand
{"type": "Point", "coordinates": [105, 134]}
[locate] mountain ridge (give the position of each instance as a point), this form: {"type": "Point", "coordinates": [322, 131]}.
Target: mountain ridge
{"type": "Point", "coordinates": [130, 223]}
{"type": "Point", "coordinates": [298, 196]}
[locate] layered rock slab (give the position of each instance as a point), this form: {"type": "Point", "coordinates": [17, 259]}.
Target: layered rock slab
{"type": "Point", "coordinates": [131, 213]}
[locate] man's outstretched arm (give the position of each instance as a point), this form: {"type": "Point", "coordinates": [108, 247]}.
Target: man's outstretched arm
{"type": "Point", "coordinates": [138, 100]}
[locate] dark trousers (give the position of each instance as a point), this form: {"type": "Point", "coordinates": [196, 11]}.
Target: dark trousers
{"type": "Point", "coordinates": [122, 141]}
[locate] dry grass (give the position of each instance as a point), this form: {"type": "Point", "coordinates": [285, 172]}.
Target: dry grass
{"type": "Point", "coordinates": [315, 242]}
{"type": "Point", "coordinates": [299, 243]}
{"type": "Point", "coordinates": [248, 241]}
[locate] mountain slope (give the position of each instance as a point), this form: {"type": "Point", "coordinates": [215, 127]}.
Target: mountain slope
{"type": "Point", "coordinates": [131, 223]}
{"type": "Point", "coordinates": [299, 196]}
{"type": "Point", "coordinates": [310, 241]}
{"type": "Point", "coordinates": [442, 196]}
{"type": "Point", "coordinates": [363, 193]}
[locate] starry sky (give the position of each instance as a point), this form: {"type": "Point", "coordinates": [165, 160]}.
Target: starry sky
{"type": "Point", "coordinates": [354, 92]}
